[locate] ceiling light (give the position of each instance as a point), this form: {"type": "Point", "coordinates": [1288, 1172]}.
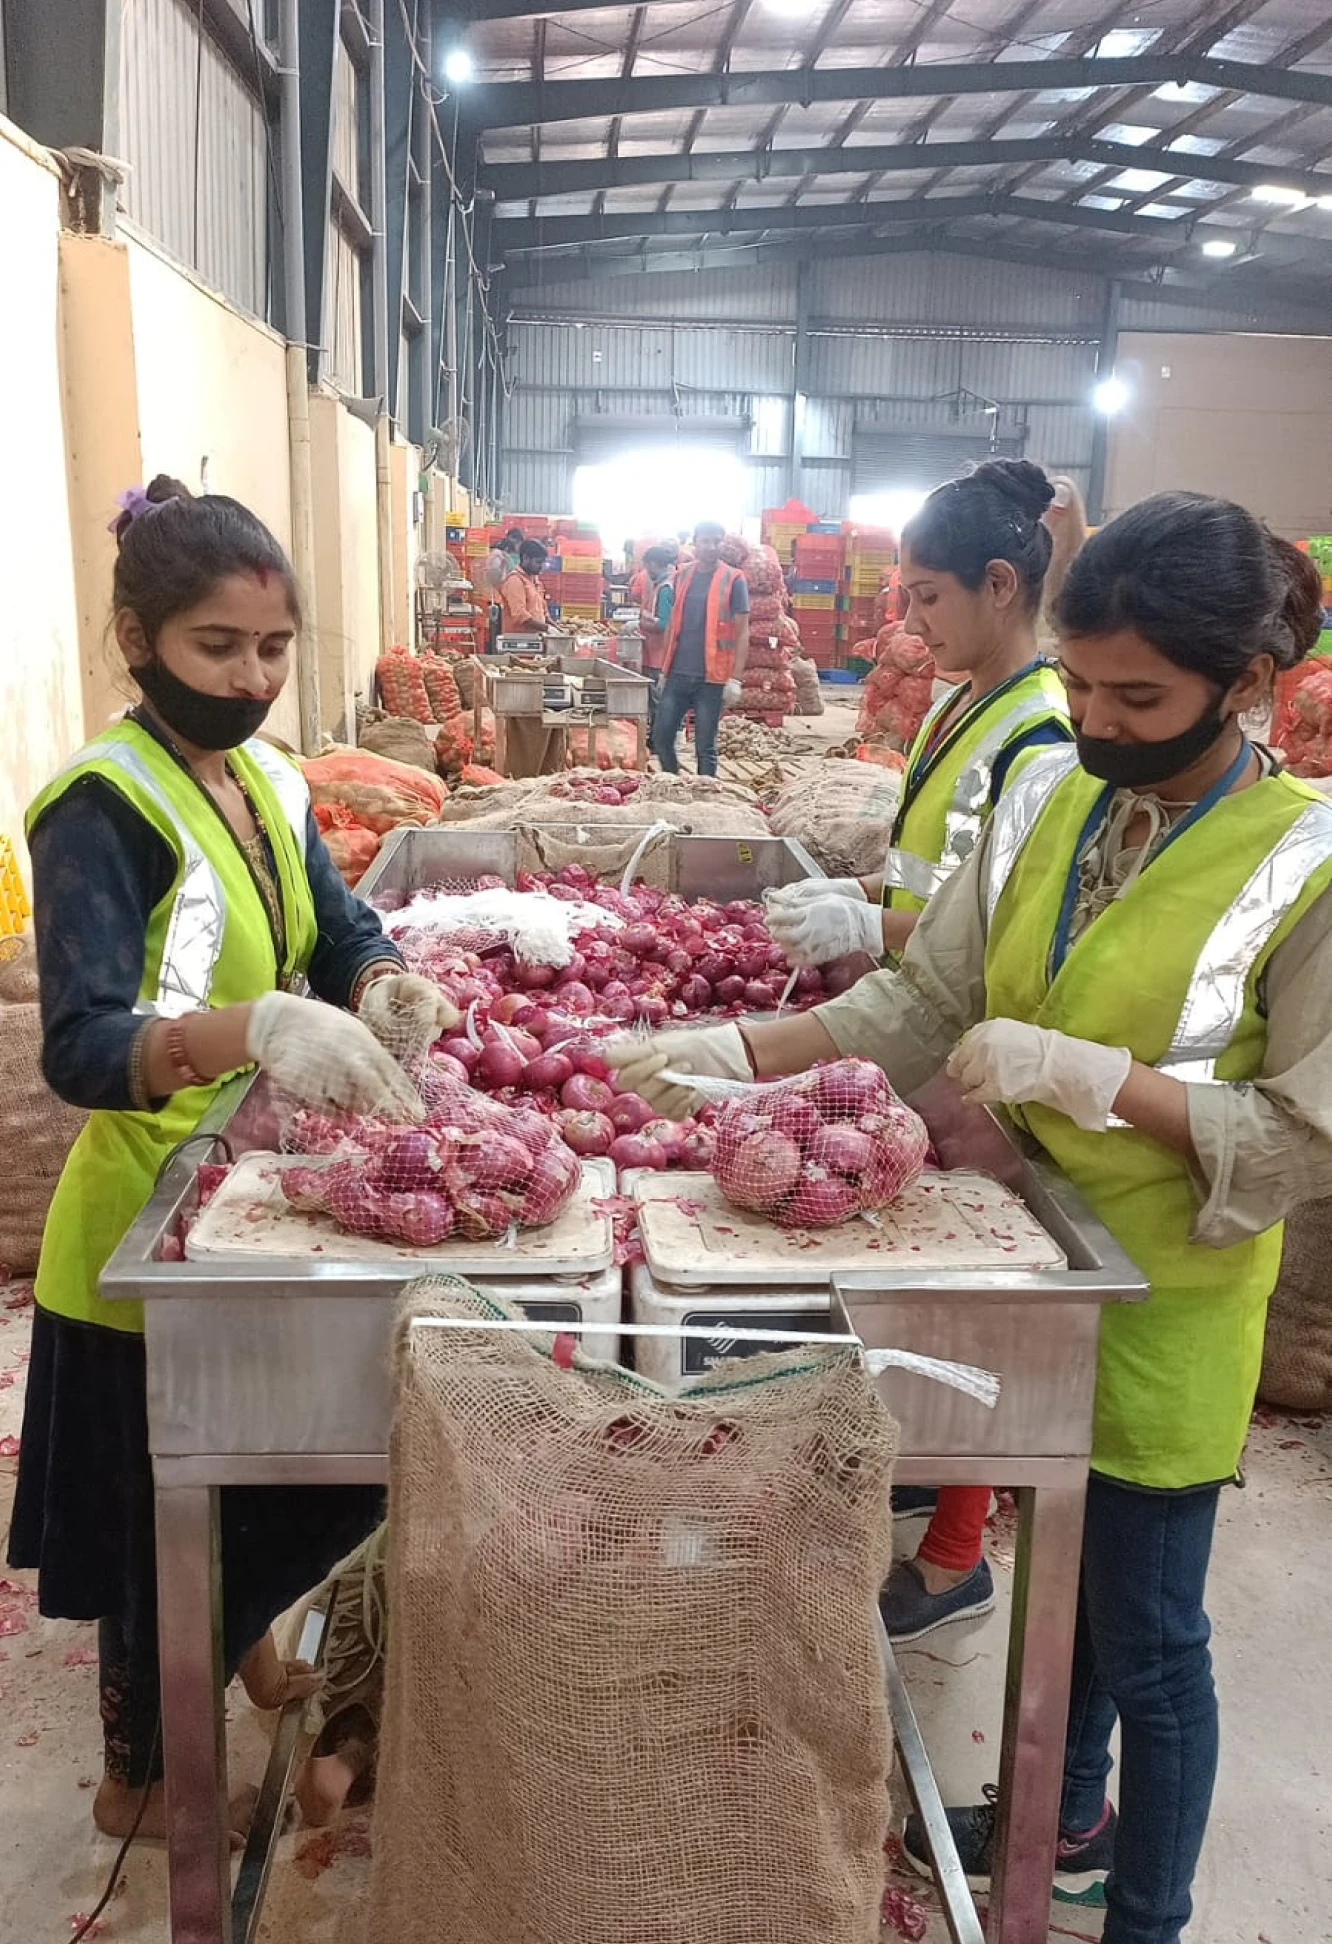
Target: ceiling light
{"type": "Point", "coordinates": [458, 66]}
{"type": "Point", "coordinates": [1270, 192]}
{"type": "Point", "coordinates": [1325, 202]}
{"type": "Point", "coordinates": [1110, 396]}
{"type": "Point", "coordinates": [1219, 249]}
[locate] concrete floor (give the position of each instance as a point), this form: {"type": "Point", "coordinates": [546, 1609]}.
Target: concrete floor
{"type": "Point", "coordinates": [1267, 1871]}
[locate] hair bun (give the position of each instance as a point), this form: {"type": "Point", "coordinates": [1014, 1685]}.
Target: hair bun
{"type": "Point", "coordinates": [1019, 480]}
{"type": "Point", "coordinates": [162, 487]}
{"type": "Point", "coordinates": [1298, 620]}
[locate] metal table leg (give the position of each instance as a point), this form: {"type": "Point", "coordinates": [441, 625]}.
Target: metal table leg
{"type": "Point", "coordinates": [193, 1735]}
{"type": "Point", "coordinates": [1040, 1656]}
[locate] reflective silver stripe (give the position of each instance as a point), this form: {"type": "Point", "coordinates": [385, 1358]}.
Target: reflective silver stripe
{"type": "Point", "coordinates": [904, 871]}
{"type": "Point", "coordinates": [1015, 817]}
{"type": "Point", "coordinates": [967, 812]}
{"type": "Point", "coordinates": [193, 941]}
{"type": "Point", "coordinates": [287, 783]}
{"type": "Point", "coordinates": [1214, 1003]}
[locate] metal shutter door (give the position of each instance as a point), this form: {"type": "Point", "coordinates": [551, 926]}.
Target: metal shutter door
{"type": "Point", "coordinates": [883, 462]}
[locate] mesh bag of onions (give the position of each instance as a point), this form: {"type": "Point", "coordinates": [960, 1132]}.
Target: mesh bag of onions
{"type": "Point", "coordinates": [633, 1692]}
{"type": "Point", "coordinates": [473, 1171]}
{"type": "Point", "coordinates": [817, 1150]}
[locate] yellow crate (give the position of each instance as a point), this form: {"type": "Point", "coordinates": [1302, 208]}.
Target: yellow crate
{"type": "Point", "coordinates": [15, 910]}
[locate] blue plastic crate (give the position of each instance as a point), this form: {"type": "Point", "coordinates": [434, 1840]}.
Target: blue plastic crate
{"type": "Point", "coordinates": [813, 586]}
{"type": "Point", "coordinates": [839, 677]}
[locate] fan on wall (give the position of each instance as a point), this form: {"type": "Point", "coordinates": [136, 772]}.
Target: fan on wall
{"type": "Point", "coordinates": [445, 445]}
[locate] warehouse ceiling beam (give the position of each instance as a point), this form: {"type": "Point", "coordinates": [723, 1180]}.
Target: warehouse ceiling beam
{"type": "Point", "coordinates": [402, 104]}
{"type": "Point", "coordinates": [1194, 288]}
{"type": "Point", "coordinates": [903, 54]}
{"type": "Point", "coordinates": [516, 104]}
{"type": "Point", "coordinates": [482, 10]}
{"type": "Point", "coordinates": [520, 182]}
{"type": "Point", "coordinates": [524, 237]}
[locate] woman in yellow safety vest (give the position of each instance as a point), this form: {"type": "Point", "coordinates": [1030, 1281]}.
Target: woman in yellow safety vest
{"type": "Point", "coordinates": [973, 566]}
{"type": "Point", "coordinates": [183, 899]}
{"type": "Point", "coordinates": [1133, 962]}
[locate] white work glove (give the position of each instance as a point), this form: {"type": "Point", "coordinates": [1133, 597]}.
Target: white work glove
{"type": "Point", "coordinates": [818, 930]}
{"type": "Point", "coordinates": [1010, 1062]}
{"type": "Point", "coordinates": [406, 1012]}
{"type": "Point", "coordinates": [717, 1052]}
{"type": "Point", "coordinates": [325, 1058]}
{"type": "Point", "coordinates": [804, 889]}
{"type": "Point", "coordinates": [731, 695]}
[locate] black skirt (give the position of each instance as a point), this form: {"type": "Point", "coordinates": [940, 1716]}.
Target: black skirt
{"type": "Point", "coordinates": [83, 1506]}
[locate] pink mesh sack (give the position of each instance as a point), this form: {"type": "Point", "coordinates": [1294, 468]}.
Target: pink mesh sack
{"type": "Point", "coordinates": [816, 1150]}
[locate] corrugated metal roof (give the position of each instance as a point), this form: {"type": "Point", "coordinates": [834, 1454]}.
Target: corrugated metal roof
{"type": "Point", "coordinates": [193, 134]}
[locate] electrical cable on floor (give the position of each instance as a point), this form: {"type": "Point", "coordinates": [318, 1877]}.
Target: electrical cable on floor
{"type": "Point", "coordinates": [85, 1928]}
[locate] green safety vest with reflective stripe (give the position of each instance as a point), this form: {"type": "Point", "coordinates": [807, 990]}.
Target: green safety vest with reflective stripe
{"type": "Point", "coordinates": [1173, 971]}
{"type": "Point", "coordinates": [208, 944]}
{"type": "Point", "coordinates": [946, 795]}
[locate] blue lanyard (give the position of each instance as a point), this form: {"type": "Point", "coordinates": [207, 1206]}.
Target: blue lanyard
{"type": "Point", "coordinates": [1097, 816]}
{"type": "Point", "coordinates": [932, 754]}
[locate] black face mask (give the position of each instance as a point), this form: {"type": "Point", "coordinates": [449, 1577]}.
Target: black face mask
{"type": "Point", "coordinates": [1142, 766]}
{"type": "Point", "coordinates": [207, 721]}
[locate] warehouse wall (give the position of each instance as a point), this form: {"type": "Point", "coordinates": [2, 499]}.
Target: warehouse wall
{"type": "Point", "coordinates": [894, 343]}
{"type": "Point", "coordinates": [1249, 418]}
{"type": "Point", "coordinates": [41, 699]}
{"type": "Point", "coordinates": [212, 395]}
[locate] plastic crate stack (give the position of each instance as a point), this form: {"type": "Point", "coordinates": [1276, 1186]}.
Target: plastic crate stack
{"type": "Point", "coordinates": [871, 555]}
{"type": "Point", "coordinates": [815, 582]}
{"type": "Point", "coordinates": [1319, 550]}
{"type": "Point", "coordinates": [573, 577]}
{"type": "Point", "coordinates": [781, 527]}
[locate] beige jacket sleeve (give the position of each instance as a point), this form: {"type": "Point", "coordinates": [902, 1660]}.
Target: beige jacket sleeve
{"type": "Point", "coordinates": [1265, 1147]}
{"type": "Point", "coordinates": [908, 1021]}
{"type": "Point", "coordinates": [1262, 1147]}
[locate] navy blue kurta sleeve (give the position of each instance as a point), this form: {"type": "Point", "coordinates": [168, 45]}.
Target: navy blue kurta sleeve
{"type": "Point", "coordinates": [99, 869]}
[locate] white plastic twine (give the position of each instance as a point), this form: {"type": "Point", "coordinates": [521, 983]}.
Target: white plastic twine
{"type": "Point", "coordinates": [706, 1086]}
{"type": "Point", "coordinates": [652, 835]}
{"type": "Point", "coordinates": [981, 1385]}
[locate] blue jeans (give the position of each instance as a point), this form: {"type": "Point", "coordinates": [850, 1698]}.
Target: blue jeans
{"type": "Point", "coordinates": [680, 694]}
{"type": "Point", "coordinates": [1140, 1656]}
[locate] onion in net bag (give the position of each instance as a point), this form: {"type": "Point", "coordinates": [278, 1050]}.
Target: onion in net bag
{"type": "Point", "coordinates": [814, 1151]}
{"type": "Point", "coordinates": [473, 1171]}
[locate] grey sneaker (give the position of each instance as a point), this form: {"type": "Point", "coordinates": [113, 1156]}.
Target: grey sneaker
{"type": "Point", "coordinates": [909, 1611]}
{"type": "Point", "coordinates": [1082, 1863]}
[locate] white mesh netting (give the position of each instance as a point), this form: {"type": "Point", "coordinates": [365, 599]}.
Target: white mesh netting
{"type": "Point", "coordinates": [474, 1170]}
{"type": "Point", "coordinates": [817, 1150]}
{"type": "Point", "coordinates": [634, 1687]}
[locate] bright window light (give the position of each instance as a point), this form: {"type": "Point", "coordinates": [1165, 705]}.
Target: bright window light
{"type": "Point", "coordinates": [458, 66]}
{"type": "Point", "coordinates": [660, 490]}
{"type": "Point", "coordinates": [1270, 192]}
{"type": "Point", "coordinates": [1110, 396]}
{"type": "Point", "coordinates": [891, 509]}
{"type": "Point", "coordinates": [1217, 248]}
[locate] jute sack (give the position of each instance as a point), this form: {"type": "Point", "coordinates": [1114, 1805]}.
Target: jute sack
{"type": "Point", "coordinates": [1297, 1352]}
{"type": "Point", "coordinates": [634, 1690]}
{"type": "Point", "coordinates": [37, 1130]}
{"type": "Point", "coordinates": [842, 812]}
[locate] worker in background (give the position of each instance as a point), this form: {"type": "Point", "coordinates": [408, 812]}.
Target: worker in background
{"type": "Point", "coordinates": [183, 897]}
{"type": "Point", "coordinates": [1131, 962]}
{"type": "Point", "coordinates": [1066, 517]}
{"type": "Point", "coordinates": [707, 646]}
{"type": "Point", "coordinates": [501, 561]}
{"type": "Point", "coordinates": [656, 608]}
{"type": "Point", "coordinates": [523, 609]}
{"type": "Point", "coordinates": [973, 563]}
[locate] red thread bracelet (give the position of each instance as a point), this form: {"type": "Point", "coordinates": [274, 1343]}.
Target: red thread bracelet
{"type": "Point", "coordinates": [180, 1058]}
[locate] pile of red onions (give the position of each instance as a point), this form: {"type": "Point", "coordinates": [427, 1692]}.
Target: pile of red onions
{"type": "Point", "coordinates": [473, 1171]}
{"type": "Point", "coordinates": [615, 788]}
{"type": "Point", "coordinates": [814, 1151]}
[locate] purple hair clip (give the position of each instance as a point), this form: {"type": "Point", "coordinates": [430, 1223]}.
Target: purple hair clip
{"type": "Point", "coordinates": [134, 501]}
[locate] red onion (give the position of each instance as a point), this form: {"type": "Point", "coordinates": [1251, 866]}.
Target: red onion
{"type": "Point", "coordinates": [841, 1150]}
{"type": "Point", "coordinates": [821, 1204]}
{"type": "Point", "coordinates": [651, 1010]}
{"type": "Point", "coordinates": [444, 1065]}
{"type": "Point", "coordinates": [633, 1151]}
{"type": "Point", "coordinates": [585, 1060]}
{"type": "Point", "coordinates": [841, 974]}
{"type": "Point", "coordinates": [422, 1221]}
{"type": "Point", "coordinates": [585, 1132]}
{"type": "Point", "coordinates": [757, 995]}
{"type": "Point", "coordinates": [532, 977]}
{"type": "Point", "coordinates": [462, 1051]}
{"type": "Point", "coordinates": [499, 1065]}
{"type": "Point", "coordinates": [845, 1089]}
{"type": "Point", "coordinates": [697, 1148]}
{"type": "Point", "coordinates": [640, 941]}
{"type": "Point", "coordinates": [547, 1070]}
{"type": "Point", "coordinates": [576, 997]}
{"type": "Point", "coordinates": [628, 1112]}
{"type": "Point", "coordinates": [730, 990]}
{"type": "Point", "coordinates": [695, 993]}
{"type": "Point", "coordinates": [667, 1137]}
{"type": "Point", "coordinates": [495, 1161]}
{"type": "Point", "coordinates": [761, 1173]}
{"type": "Point", "coordinates": [586, 1094]}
